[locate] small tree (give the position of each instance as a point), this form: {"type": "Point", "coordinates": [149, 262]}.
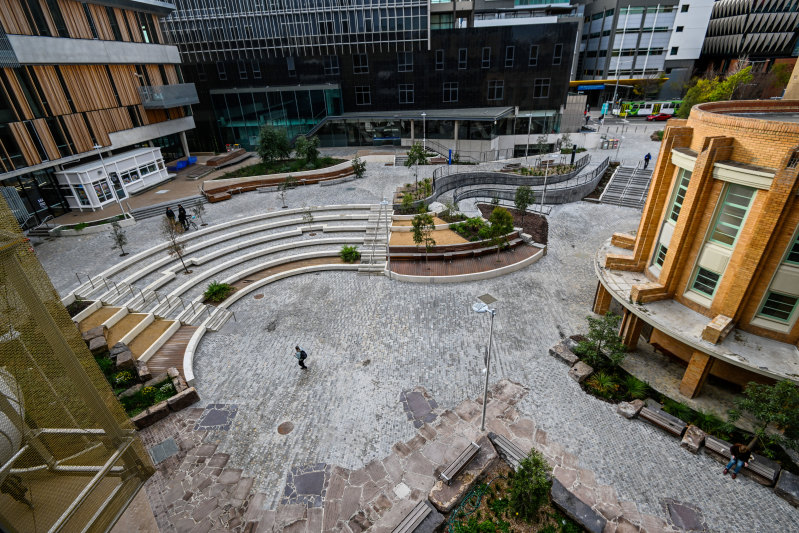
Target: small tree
{"type": "Point", "coordinates": [416, 156]}
{"type": "Point", "coordinates": [713, 90]}
{"type": "Point", "coordinates": [307, 216]}
{"type": "Point", "coordinates": [530, 486]}
{"type": "Point", "coordinates": [566, 141]}
{"type": "Point", "coordinates": [307, 148]}
{"type": "Point", "coordinates": [541, 145]}
{"type": "Point", "coordinates": [423, 227]}
{"type": "Point", "coordinates": [289, 183]}
{"type": "Point", "coordinates": [170, 232]}
{"type": "Point", "coordinates": [602, 342]}
{"type": "Point", "coordinates": [501, 225]}
{"type": "Point", "coordinates": [119, 238]}
{"type": "Point", "coordinates": [407, 203]}
{"type": "Point", "coordinates": [771, 405]}
{"type": "Point", "coordinates": [273, 144]}
{"type": "Point", "coordinates": [523, 199]}
{"type": "Point", "coordinates": [358, 167]}
{"type": "Point", "coordinates": [199, 211]}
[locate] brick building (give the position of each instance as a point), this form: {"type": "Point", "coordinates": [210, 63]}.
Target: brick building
{"type": "Point", "coordinates": [711, 277]}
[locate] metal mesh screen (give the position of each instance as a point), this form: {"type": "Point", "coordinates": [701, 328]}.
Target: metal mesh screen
{"type": "Point", "coordinates": [70, 459]}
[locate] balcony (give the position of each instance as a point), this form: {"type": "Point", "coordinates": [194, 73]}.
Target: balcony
{"type": "Point", "coordinates": [168, 96]}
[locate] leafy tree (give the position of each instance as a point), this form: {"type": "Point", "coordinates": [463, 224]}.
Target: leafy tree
{"type": "Point", "coordinates": [423, 227]}
{"type": "Point", "coordinates": [171, 233]}
{"type": "Point", "coordinates": [273, 144]}
{"type": "Point", "coordinates": [407, 203]}
{"type": "Point", "coordinates": [358, 167]}
{"type": "Point", "coordinates": [416, 156]}
{"type": "Point", "coordinates": [523, 199]}
{"type": "Point", "coordinates": [771, 405]}
{"type": "Point", "coordinates": [198, 211]}
{"type": "Point", "coordinates": [119, 238]}
{"type": "Point", "coordinates": [650, 86]}
{"type": "Point", "coordinates": [289, 183]}
{"type": "Point", "coordinates": [566, 141]}
{"type": "Point", "coordinates": [713, 90]}
{"type": "Point", "coordinates": [541, 145]}
{"type": "Point", "coordinates": [530, 486]}
{"type": "Point", "coordinates": [501, 225]}
{"type": "Point", "coordinates": [307, 148]}
{"type": "Point", "coordinates": [603, 341]}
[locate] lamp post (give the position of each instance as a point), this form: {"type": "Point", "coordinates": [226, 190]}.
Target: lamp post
{"type": "Point", "coordinates": [546, 175]}
{"type": "Point", "coordinates": [388, 238]}
{"type": "Point", "coordinates": [483, 307]}
{"type": "Point", "coordinates": [105, 171]}
{"type": "Point", "coordinates": [617, 147]}
{"type": "Point", "coordinates": [424, 131]}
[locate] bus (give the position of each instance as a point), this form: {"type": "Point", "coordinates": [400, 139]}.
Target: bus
{"type": "Point", "coordinates": [643, 109]}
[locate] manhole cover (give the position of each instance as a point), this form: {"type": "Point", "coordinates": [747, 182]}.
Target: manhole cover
{"type": "Point", "coordinates": [285, 428]}
{"type": "Point", "coordinates": [258, 296]}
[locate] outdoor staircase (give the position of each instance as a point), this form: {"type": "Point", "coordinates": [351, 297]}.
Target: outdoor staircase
{"type": "Point", "coordinates": [375, 243]}
{"type": "Point", "coordinates": [627, 187]}
{"type": "Point", "coordinates": [160, 209]}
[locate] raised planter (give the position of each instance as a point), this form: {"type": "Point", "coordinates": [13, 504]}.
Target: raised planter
{"type": "Point", "coordinates": [97, 226]}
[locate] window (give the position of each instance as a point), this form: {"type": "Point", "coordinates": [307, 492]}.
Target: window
{"type": "Point", "coordinates": [450, 92]}
{"type": "Point", "coordinates": [80, 192]}
{"type": "Point", "coordinates": [360, 64]}
{"type": "Point", "coordinates": [220, 70]}
{"type": "Point", "coordinates": [256, 70]}
{"type": "Point", "coordinates": [102, 190]}
{"type": "Point", "coordinates": [793, 251]}
{"type": "Point", "coordinates": [406, 93]}
{"type": "Point", "coordinates": [496, 89]}
{"type": "Point", "coordinates": [292, 69]}
{"type": "Point", "coordinates": [705, 281]}
{"type": "Point", "coordinates": [112, 21]}
{"type": "Point", "coordinates": [201, 72]}
{"type": "Point", "coordinates": [557, 54]}
{"type": "Point", "coordinates": [461, 58]}
{"type": "Point", "coordinates": [363, 96]}
{"type": "Point", "coordinates": [679, 195]}
{"type": "Point", "coordinates": [510, 51]}
{"type": "Point", "coordinates": [660, 256]}
{"type": "Point", "coordinates": [732, 214]}
{"type": "Point", "coordinates": [533, 56]}
{"type": "Point", "coordinates": [684, 8]}
{"type": "Point", "coordinates": [778, 306]}
{"type": "Point", "coordinates": [242, 70]}
{"type": "Point", "coordinates": [486, 63]}
{"type": "Point", "coordinates": [680, 29]}
{"type": "Point", "coordinates": [405, 62]}
{"type": "Point", "coordinates": [61, 25]}
{"type": "Point", "coordinates": [331, 66]}
{"type": "Point", "coordinates": [439, 59]}
{"type": "Point", "coordinates": [541, 88]}
{"type": "Point", "coordinates": [674, 50]}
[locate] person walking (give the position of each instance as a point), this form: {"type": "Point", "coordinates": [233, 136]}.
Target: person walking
{"type": "Point", "coordinates": [740, 458]}
{"type": "Point", "coordinates": [647, 157]}
{"type": "Point", "coordinates": [170, 215]}
{"type": "Point", "coordinates": [301, 357]}
{"type": "Point", "coordinates": [184, 221]}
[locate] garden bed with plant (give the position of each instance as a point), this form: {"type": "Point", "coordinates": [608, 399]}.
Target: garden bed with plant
{"type": "Point", "coordinates": [217, 292]}
{"type": "Point", "coordinates": [122, 380]}
{"type": "Point", "coordinates": [282, 166]}
{"type": "Point", "coordinates": [537, 226]}
{"type": "Point", "coordinates": [550, 170]}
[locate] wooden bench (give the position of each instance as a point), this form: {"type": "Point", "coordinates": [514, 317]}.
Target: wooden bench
{"type": "Point", "coordinates": [663, 420]}
{"type": "Point", "coordinates": [511, 453]}
{"type": "Point", "coordinates": [460, 463]}
{"type": "Point", "coordinates": [450, 255]}
{"type": "Point", "coordinates": [761, 469]}
{"type": "Point", "coordinates": [414, 518]}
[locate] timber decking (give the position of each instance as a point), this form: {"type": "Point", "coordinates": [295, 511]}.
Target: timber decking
{"type": "Point", "coordinates": [261, 274]}
{"type": "Point", "coordinates": [482, 263]}
{"type": "Point", "coordinates": [170, 355]}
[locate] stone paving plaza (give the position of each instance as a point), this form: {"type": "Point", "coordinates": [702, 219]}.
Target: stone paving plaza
{"type": "Point", "coordinates": [372, 340]}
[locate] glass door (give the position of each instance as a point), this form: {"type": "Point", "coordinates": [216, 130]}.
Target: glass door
{"type": "Point", "coordinates": [118, 187]}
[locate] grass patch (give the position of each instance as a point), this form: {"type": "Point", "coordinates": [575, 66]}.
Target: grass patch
{"type": "Point", "coordinates": [83, 225]}
{"type": "Point", "coordinates": [280, 167]}
{"type": "Point", "coordinates": [216, 292]}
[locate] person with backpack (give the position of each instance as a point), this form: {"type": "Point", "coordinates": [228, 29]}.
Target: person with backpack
{"type": "Point", "coordinates": [170, 215]}
{"type": "Point", "coordinates": [647, 157]}
{"type": "Point", "coordinates": [301, 357]}
{"type": "Point", "coordinates": [182, 218]}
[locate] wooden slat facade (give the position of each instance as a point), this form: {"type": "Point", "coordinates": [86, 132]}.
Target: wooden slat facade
{"type": "Point", "coordinates": [16, 94]}
{"type": "Point", "coordinates": [75, 19]}
{"type": "Point", "coordinates": [48, 142]}
{"type": "Point", "coordinates": [13, 18]}
{"type": "Point", "coordinates": [25, 143]}
{"type": "Point", "coordinates": [51, 89]}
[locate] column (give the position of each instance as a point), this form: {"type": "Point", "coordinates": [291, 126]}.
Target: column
{"type": "Point", "coordinates": [602, 299]}
{"type": "Point", "coordinates": [412, 133]}
{"type": "Point", "coordinates": [695, 375]}
{"type": "Point", "coordinates": [630, 329]}
{"type": "Point", "coordinates": [185, 144]}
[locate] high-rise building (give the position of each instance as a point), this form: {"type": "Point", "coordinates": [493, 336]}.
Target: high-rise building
{"type": "Point", "coordinates": [368, 72]}
{"type": "Point", "coordinates": [79, 80]}
{"type": "Point", "coordinates": [711, 277]}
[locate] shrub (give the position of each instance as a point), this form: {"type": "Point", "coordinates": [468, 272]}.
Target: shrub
{"type": "Point", "coordinates": [471, 229]}
{"type": "Point", "coordinates": [80, 226]}
{"type": "Point", "coordinates": [349, 254]}
{"type": "Point", "coordinates": [407, 203]}
{"type": "Point", "coordinates": [148, 393]}
{"type": "Point", "coordinates": [677, 409]}
{"type": "Point", "coordinates": [529, 488]}
{"type": "Point", "coordinates": [216, 292]}
{"type": "Point", "coordinates": [710, 423]}
{"type": "Point", "coordinates": [636, 389]}
{"type": "Point", "coordinates": [603, 384]}
{"type": "Point", "coordinates": [121, 379]}
{"type": "Point", "coordinates": [105, 364]}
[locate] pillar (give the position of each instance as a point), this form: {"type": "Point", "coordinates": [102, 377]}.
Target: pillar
{"type": "Point", "coordinates": [185, 144]}
{"type": "Point", "coordinates": [412, 133]}
{"type": "Point", "coordinates": [630, 329]}
{"type": "Point", "coordinates": [695, 375]}
{"type": "Point", "coordinates": [602, 299]}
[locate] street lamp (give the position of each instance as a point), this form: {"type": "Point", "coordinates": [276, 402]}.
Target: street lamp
{"type": "Point", "coordinates": [384, 203]}
{"type": "Point", "coordinates": [424, 131]}
{"type": "Point", "coordinates": [483, 307]}
{"type": "Point", "coordinates": [617, 148]}
{"type": "Point", "coordinates": [107, 177]}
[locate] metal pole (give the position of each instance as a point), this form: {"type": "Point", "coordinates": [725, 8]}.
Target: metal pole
{"type": "Point", "coordinates": [424, 131]}
{"type": "Point", "coordinates": [527, 148]}
{"type": "Point", "coordinates": [105, 171]}
{"type": "Point", "coordinates": [388, 239]}
{"type": "Point", "coordinates": [546, 173]}
{"type": "Point", "coordinates": [488, 367]}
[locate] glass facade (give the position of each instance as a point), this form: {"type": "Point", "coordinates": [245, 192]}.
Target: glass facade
{"type": "Point", "coordinates": [38, 192]}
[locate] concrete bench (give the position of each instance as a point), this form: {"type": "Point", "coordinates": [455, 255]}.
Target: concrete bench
{"type": "Point", "coordinates": [460, 463]}
{"type": "Point", "coordinates": [512, 454]}
{"type": "Point", "coordinates": [663, 420]}
{"type": "Point", "coordinates": [414, 518]}
{"type": "Point", "coordinates": [761, 469]}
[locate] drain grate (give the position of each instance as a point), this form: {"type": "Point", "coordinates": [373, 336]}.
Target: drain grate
{"type": "Point", "coordinates": [285, 428]}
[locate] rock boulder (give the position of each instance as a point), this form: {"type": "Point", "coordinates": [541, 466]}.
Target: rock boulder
{"type": "Point", "coordinates": [693, 439]}
{"type": "Point", "coordinates": [142, 371]}
{"type": "Point", "coordinates": [580, 371]}
{"type": "Point", "coordinates": [150, 416]}
{"type": "Point", "coordinates": [562, 352]}
{"type": "Point", "coordinates": [125, 361]}
{"type": "Point", "coordinates": [131, 391]}
{"type": "Point", "coordinates": [630, 409]}
{"type": "Point", "coordinates": [93, 333]}
{"type": "Point", "coordinates": [98, 346]}
{"type": "Point", "coordinates": [183, 399]}
{"type": "Point", "coordinates": [787, 488]}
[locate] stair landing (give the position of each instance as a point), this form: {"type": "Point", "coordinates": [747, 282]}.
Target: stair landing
{"type": "Point", "coordinates": [170, 355]}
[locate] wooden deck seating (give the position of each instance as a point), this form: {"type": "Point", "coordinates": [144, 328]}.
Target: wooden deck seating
{"type": "Point", "coordinates": [761, 469]}
{"type": "Point", "coordinates": [414, 518]}
{"type": "Point", "coordinates": [412, 253]}
{"type": "Point", "coordinates": [460, 463]}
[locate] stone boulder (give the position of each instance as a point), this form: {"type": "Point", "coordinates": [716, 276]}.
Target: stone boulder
{"type": "Point", "coordinates": [562, 352]}
{"type": "Point", "coordinates": [177, 380]}
{"type": "Point", "coordinates": [151, 415]}
{"type": "Point", "coordinates": [131, 391]}
{"type": "Point", "coordinates": [117, 349]}
{"type": "Point", "coordinates": [575, 509]}
{"type": "Point", "coordinates": [630, 409]}
{"type": "Point", "coordinates": [155, 380]}
{"type": "Point", "coordinates": [787, 488]}
{"type": "Point", "coordinates": [580, 371]}
{"type": "Point", "coordinates": [183, 399]}
{"type": "Point", "coordinates": [446, 497]}
{"type": "Point", "coordinates": [125, 361]}
{"type": "Point", "coordinates": [142, 371]}
{"type": "Point", "coordinates": [693, 439]}
{"type": "Point", "coordinates": [98, 331]}
{"type": "Point", "coordinates": [98, 346]}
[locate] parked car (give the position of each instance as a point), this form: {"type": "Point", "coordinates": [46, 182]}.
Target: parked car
{"type": "Point", "coordinates": [659, 116]}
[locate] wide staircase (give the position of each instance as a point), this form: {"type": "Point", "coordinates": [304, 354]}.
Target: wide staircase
{"type": "Point", "coordinates": [375, 242]}
{"type": "Point", "coordinates": [627, 187]}
{"type": "Point", "coordinates": [160, 209]}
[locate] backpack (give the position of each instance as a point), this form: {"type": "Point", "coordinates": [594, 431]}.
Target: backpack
{"type": "Point", "coordinates": [303, 355]}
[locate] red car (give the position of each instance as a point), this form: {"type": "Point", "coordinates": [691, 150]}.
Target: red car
{"type": "Point", "coordinates": [659, 116]}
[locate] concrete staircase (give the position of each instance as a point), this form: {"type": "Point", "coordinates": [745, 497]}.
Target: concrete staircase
{"type": "Point", "coordinates": [160, 209]}
{"type": "Point", "coordinates": [375, 243]}
{"type": "Point", "coordinates": [627, 187]}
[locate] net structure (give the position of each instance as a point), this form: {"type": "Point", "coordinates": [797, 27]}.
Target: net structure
{"type": "Point", "coordinates": [70, 459]}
